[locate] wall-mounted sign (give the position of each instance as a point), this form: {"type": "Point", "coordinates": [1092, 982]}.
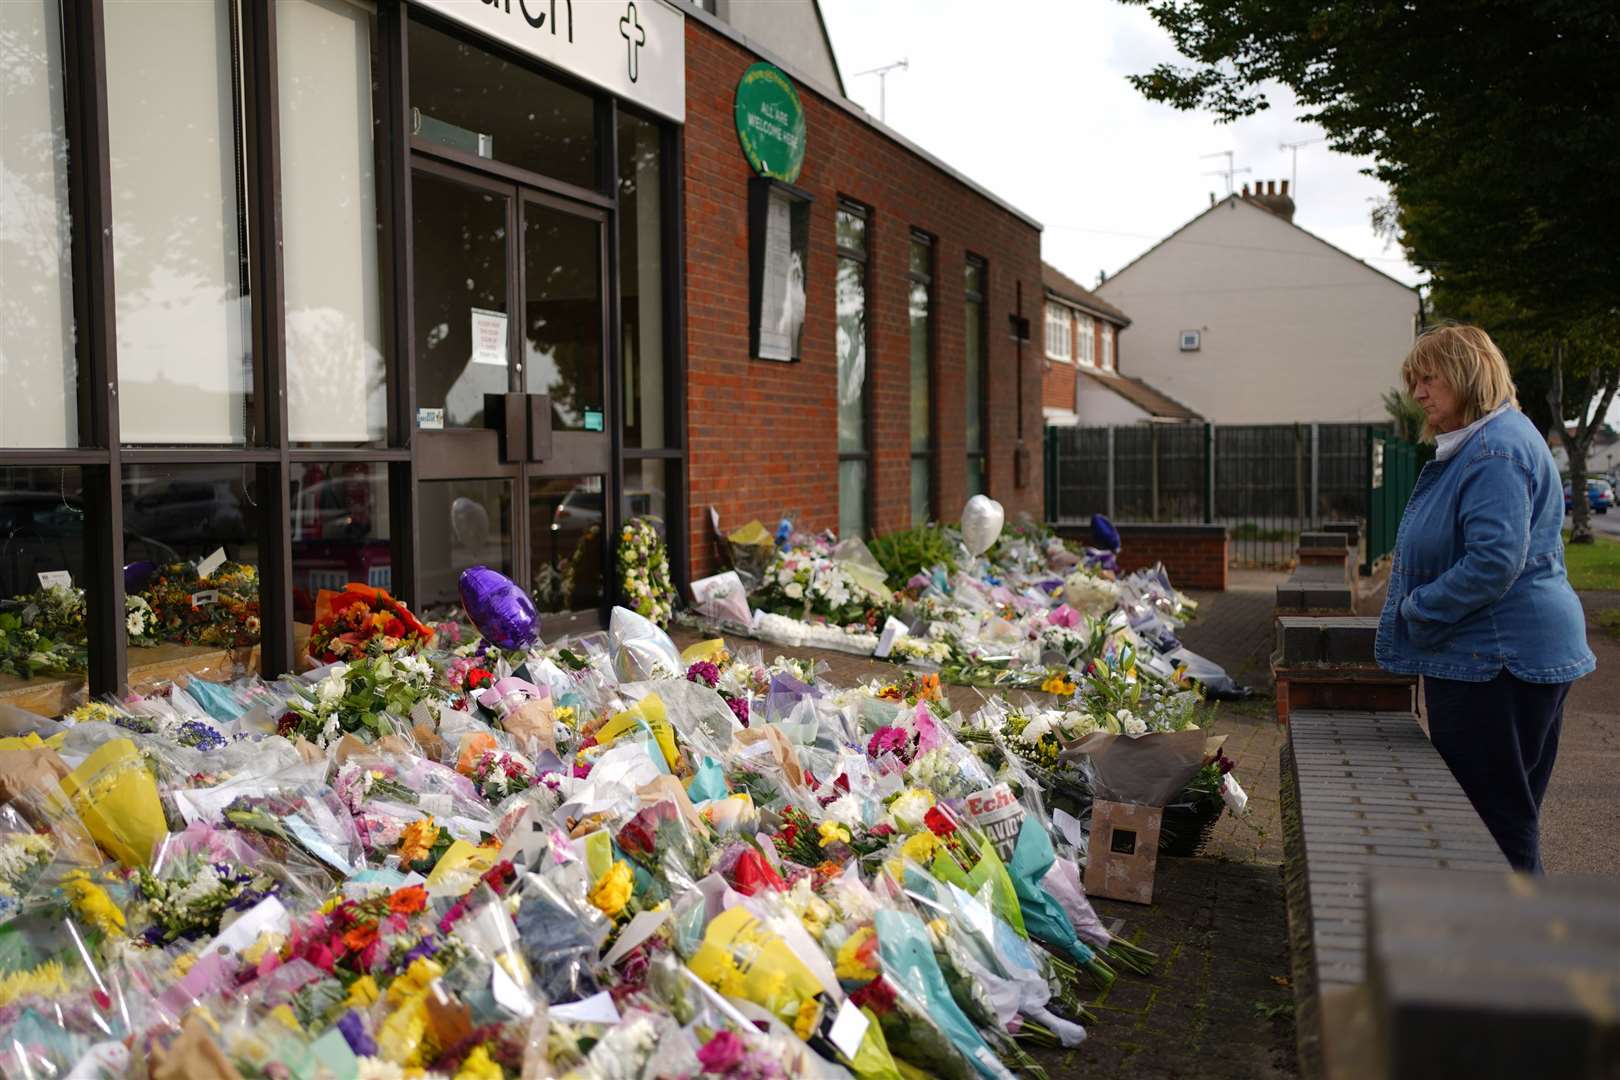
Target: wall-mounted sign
{"type": "Point", "coordinates": [635, 49]}
{"type": "Point", "coordinates": [770, 122]}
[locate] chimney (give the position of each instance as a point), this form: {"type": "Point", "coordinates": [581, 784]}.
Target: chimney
{"type": "Point", "coordinates": [1267, 197]}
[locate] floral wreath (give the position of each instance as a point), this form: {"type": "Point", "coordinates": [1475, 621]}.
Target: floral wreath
{"type": "Point", "coordinates": [644, 579]}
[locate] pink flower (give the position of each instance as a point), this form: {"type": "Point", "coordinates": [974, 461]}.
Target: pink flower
{"type": "Point", "coordinates": [887, 739]}
{"type": "Point", "coordinates": [722, 1053]}
{"type": "Point", "coordinates": [1065, 616]}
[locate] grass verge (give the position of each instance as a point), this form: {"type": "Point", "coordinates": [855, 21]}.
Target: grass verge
{"type": "Point", "coordinates": [1595, 565]}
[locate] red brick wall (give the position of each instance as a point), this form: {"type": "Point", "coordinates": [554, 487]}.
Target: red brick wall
{"type": "Point", "coordinates": [1059, 386]}
{"type": "Point", "coordinates": [763, 436]}
{"type": "Point", "coordinates": [1195, 556]}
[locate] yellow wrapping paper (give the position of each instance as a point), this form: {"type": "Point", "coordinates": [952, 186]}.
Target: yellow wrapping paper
{"type": "Point", "coordinates": [116, 797]}
{"type": "Point", "coordinates": [703, 650]}
{"type": "Point", "coordinates": [742, 958]}
{"type": "Point", "coordinates": [460, 856]}
{"type": "Point", "coordinates": [650, 710]}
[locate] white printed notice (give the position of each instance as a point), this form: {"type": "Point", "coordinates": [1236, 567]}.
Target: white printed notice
{"type": "Point", "coordinates": [488, 337]}
{"type": "Point", "coordinates": [780, 310]}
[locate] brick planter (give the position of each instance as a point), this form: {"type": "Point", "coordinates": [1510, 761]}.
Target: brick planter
{"type": "Point", "coordinates": [1326, 663]}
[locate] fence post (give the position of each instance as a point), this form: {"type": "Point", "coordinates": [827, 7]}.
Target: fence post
{"type": "Point", "coordinates": [1110, 472]}
{"type": "Point", "coordinates": [1049, 472]}
{"type": "Point", "coordinates": [1209, 473]}
{"type": "Point", "coordinates": [1153, 458]}
{"type": "Point", "coordinates": [1316, 475]}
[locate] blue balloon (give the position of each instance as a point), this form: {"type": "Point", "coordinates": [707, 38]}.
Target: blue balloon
{"type": "Point", "coordinates": [500, 610]}
{"type": "Point", "coordinates": [1104, 533]}
{"type": "Point", "coordinates": [136, 573]}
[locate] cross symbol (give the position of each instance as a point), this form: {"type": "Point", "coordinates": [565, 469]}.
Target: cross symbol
{"type": "Point", "coordinates": [634, 38]}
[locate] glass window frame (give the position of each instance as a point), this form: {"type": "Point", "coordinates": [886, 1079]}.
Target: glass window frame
{"type": "Point", "coordinates": [979, 456]}
{"type": "Point", "coordinates": [270, 456]}
{"type": "Point", "coordinates": [1059, 333]}
{"type": "Point", "coordinates": [1086, 339]}
{"type": "Point", "coordinates": [930, 455]}
{"type": "Point", "coordinates": [1106, 360]}
{"type": "Point", "coordinates": [862, 256]}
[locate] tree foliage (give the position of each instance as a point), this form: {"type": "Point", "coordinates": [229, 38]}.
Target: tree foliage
{"type": "Point", "coordinates": [1495, 125]}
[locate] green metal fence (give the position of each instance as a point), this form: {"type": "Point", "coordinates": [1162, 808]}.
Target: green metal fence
{"type": "Point", "coordinates": [1392, 472]}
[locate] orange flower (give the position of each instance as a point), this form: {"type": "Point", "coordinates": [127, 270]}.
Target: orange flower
{"type": "Point", "coordinates": [408, 901]}
{"type": "Point", "coordinates": [928, 688]}
{"type": "Point", "coordinates": [356, 939]}
{"type": "Point", "coordinates": [417, 840]}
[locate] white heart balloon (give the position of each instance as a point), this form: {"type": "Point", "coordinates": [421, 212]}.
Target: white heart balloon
{"type": "Point", "coordinates": [982, 519]}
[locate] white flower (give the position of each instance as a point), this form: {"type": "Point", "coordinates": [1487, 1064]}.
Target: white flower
{"type": "Point", "coordinates": [1035, 729]}
{"type": "Point", "coordinates": [794, 590]}
{"type": "Point", "coordinates": [846, 810]}
{"type": "Point", "coordinates": [134, 624]}
{"type": "Point", "coordinates": [330, 689]}
{"type": "Point", "coordinates": [909, 809]}
{"type": "Point", "coordinates": [1132, 725]}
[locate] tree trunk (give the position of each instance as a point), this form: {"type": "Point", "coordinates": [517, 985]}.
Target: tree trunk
{"type": "Point", "coordinates": [1602, 386]}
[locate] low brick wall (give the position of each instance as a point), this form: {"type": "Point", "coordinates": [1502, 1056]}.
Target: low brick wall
{"type": "Point", "coordinates": [1195, 556]}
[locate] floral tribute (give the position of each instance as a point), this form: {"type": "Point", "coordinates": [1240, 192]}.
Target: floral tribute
{"type": "Point", "coordinates": [644, 578]}
{"type": "Point", "coordinates": [219, 610]}
{"type": "Point", "coordinates": [362, 621]}
{"type": "Point", "coordinates": [371, 870]}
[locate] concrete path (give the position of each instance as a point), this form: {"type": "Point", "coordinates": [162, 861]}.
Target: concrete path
{"type": "Point", "coordinates": [1580, 820]}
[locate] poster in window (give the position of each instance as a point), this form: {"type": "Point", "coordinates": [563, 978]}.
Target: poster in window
{"type": "Point", "coordinates": [781, 316]}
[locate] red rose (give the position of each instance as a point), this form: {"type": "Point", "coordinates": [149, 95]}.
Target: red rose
{"type": "Point", "coordinates": [478, 677]}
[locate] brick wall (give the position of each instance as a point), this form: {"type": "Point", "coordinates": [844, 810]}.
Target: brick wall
{"type": "Point", "coordinates": [1195, 556]}
{"type": "Point", "coordinates": [762, 436]}
{"type": "Point", "coordinates": [1060, 379]}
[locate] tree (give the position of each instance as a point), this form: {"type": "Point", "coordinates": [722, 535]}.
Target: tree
{"type": "Point", "coordinates": [1405, 414]}
{"type": "Point", "coordinates": [1493, 123]}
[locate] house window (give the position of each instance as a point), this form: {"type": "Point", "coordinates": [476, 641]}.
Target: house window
{"type": "Point", "coordinates": [1059, 333]}
{"type": "Point", "coordinates": [1108, 346]}
{"type": "Point", "coordinates": [976, 372]}
{"type": "Point", "coordinates": [1086, 335]}
{"type": "Point", "coordinates": [920, 287]}
{"type": "Point", "coordinates": [854, 457]}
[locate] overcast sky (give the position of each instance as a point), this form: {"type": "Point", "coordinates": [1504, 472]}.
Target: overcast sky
{"type": "Point", "coordinates": [1029, 99]}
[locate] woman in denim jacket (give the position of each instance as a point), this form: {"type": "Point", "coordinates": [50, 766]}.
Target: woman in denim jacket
{"type": "Point", "coordinates": [1479, 603]}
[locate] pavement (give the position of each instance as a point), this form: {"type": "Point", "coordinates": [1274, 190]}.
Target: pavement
{"type": "Point", "coordinates": [1602, 524]}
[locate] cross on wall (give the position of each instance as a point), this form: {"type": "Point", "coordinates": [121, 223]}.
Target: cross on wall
{"type": "Point", "coordinates": [634, 38]}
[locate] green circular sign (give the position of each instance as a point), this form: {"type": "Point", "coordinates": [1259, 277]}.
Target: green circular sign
{"type": "Point", "coordinates": [770, 122]}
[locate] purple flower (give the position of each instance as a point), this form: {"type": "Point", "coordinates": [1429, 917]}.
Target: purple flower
{"type": "Point", "coordinates": [739, 709]}
{"type": "Point", "coordinates": [354, 1033]}
{"type": "Point", "coordinates": [704, 672]}
{"type": "Point", "coordinates": [886, 740]}
{"type": "Point", "coordinates": [202, 736]}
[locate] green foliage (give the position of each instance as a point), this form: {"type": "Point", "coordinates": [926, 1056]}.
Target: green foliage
{"type": "Point", "coordinates": [1406, 414]}
{"type": "Point", "coordinates": [908, 552]}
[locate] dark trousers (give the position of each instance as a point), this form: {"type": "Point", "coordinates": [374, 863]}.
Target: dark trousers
{"type": "Point", "coordinates": [1499, 739]}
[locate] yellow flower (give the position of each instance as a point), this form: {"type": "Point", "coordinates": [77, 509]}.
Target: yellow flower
{"type": "Point", "coordinates": [400, 1036]}
{"type": "Point", "coordinates": [268, 941]}
{"type": "Point", "coordinates": [832, 832]}
{"type": "Point", "coordinates": [417, 840]}
{"type": "Point", "coordinates": [478, 1065]}
{"type": "Point", "coordinates": [850, 966]}
{"type": "Point", "coordinates": [46, 981]}
{"type": "Point", "coordinates": [804, 1024]}
{"type": "Point", "coordinates": [919, 847]}
{"type": "Point", "coordinates": [563, 714]}
{"type": "Point", "coordinates": [416, 979]}
{"type": "Point", "coordinates": [612, 890]}
{"type": "Point", "coordinates": [284, 1014]}
{"type": "Point", "coordinates": [182, 965]}
{"type": "Point", "coordinates": [1059, 684]}
{"type": "Point", "coordinates": [92, 903]}
{"type": "Point", "coordinates": [362, 993]}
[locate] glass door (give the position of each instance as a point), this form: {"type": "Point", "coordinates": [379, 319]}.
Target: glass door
{"type": "Point", "coordinates": [512, 452]}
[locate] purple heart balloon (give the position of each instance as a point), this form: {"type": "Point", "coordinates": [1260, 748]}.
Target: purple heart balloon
{"type": "Point", "coordinates": [503, 613]}
{"type": "Point", "coordinates": [136, 573]}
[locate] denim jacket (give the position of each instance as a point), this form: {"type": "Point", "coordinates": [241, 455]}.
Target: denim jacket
{"type": "Point", "coordinates": [1478, 580]}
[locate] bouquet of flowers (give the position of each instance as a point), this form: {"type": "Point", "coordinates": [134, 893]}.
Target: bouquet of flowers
{"type": "Point", "coordinates": [360, 699]}
{"type": "Point", "coordinates": [498, 774]}
{"type": "Point", "coordinates": [220, 610]}
{"type": "Point", "coordinates": [188, 897]}
{"type": "Point", "coordinates": [362, 621]}
{"type": "Point", "coordinates": [807, 581]}
{"type": "Point", "coordinates": [43, 632]}
{"type": "Point", "coordinates": [644, 578]}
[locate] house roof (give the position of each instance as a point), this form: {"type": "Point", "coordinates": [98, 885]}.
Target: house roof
{"type": "Point", "coordinates": [1067, 289]}
{"type": "Point", "coordinates": [1158, 405]}
{"type": "Point", "coordinates": [1238, 199]}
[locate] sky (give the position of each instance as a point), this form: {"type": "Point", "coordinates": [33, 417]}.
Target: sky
{"type": "Point", "coordinates": [1028, 98]}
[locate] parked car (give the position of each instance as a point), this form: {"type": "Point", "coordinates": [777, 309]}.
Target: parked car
{"type": "Point", "coordinates": [1599, 495]}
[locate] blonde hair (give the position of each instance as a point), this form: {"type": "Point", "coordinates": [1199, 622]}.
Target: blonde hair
{"type": "Point", "coordinates": [1468, 361]}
